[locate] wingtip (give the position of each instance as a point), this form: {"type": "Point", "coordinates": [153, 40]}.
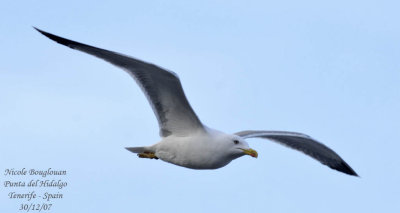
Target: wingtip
{"type": "Point", "coordinates": [48, 35]}
{"type": "Point", "coordinates": [39, 30]}
{"type": "Point", "coordinates": [345, 168]}
{"type": "Point", "coordinates": [58, 39]}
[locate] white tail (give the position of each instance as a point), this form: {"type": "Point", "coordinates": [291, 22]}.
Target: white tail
{"type": "Point", "coordinates": [136, 149]}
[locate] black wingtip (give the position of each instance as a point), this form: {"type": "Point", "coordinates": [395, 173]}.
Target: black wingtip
{"type": "Point", "coordinates": [58, 39]}
{"type": "Point", "coordinates": [44, 33]}
{"type": "Point", "coordinates": [345, 168]}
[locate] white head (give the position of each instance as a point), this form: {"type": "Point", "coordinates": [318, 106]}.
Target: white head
{"type": "Point", "coordinates": [237, 147]}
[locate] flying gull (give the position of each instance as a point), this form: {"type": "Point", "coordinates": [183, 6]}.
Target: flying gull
{"type": "Point", "coordinates": [185, 140]}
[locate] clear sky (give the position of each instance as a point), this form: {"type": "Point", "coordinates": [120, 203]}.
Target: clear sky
{"type": "Point", "coordinates": [327, 69]}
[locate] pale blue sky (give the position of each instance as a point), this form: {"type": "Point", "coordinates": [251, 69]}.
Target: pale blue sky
{"type": "Point", "coordinates": [330, 70]}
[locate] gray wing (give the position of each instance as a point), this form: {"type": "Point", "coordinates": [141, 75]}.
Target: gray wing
{"type": "Point", "coordinates": [162, 88]}
{"type": "Point", "coordinates": [305, 144]}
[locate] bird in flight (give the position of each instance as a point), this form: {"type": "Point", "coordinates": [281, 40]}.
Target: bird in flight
{"type": "Point", "coordinates": [185, 140]}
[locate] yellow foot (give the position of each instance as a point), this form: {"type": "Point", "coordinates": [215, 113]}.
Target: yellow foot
{"type": "Point", "coordinates": [149, 155]}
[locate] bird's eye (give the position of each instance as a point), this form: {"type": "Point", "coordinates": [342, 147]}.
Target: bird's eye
{"type": "Point", "coordinates": [235, 141]}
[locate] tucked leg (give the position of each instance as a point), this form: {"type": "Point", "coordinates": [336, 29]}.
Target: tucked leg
{"type": "Point", "coordinates": [149, 155]}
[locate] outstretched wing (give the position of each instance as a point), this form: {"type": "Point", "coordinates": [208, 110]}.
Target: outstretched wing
{"type": "Point", "coordinates": [305, 144]}
{"type": "Point", "coordinates": [162, 88]}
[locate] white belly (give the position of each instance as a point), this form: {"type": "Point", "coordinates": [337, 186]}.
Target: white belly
{"type": "Point", "coordinates": [191, 152]}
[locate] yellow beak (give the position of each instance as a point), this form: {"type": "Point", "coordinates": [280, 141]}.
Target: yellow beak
{"type": "Point", "coordinates": [253, 153]}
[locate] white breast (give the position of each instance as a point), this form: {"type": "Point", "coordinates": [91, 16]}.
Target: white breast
{"type": "Point", "coordinates": [199, 151]}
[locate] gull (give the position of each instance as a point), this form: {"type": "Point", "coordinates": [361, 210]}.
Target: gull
{"type": "Point", "coordinates": [185, 140]}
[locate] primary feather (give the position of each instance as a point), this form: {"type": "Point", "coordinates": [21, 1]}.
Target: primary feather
{"type": "Point", "coordinates": [305, 144]}
{"type": "Point", "coordinates": [162, 88]}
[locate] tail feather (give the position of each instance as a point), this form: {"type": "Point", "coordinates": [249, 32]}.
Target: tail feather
{"type": "Point", "coordinates": [136, 149]}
